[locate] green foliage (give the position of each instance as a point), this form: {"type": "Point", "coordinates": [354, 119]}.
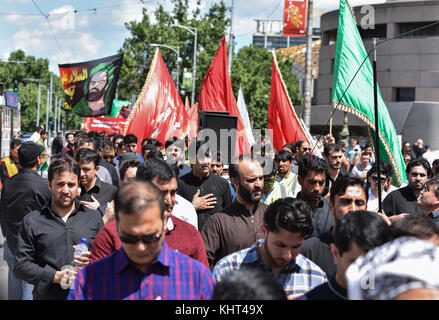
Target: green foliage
{"type": "Point", "coordinates": [28, 90]}
{"type": "Point", "coordinates": [251, 69]}
{"type": "Point", "coordinates": [138, 54]}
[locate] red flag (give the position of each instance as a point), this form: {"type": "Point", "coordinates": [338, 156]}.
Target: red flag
{"type": "Point", "coordinates": [192, 113]}
{"type": "Point", "coordinates": [107, 124]}
{"type": "Point", "coordinates": [282, 118]}
{"type": "Point", "coordinates": [217, 95]}
{"type": "Point", "coordinates": [159, 112]}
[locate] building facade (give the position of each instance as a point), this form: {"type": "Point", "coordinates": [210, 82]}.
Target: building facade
{"type": "Point", "coordinates": [407, 66]}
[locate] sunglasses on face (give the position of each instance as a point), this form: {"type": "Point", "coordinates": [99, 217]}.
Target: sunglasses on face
{"type": "Point", "coordinates": [108, 157]}
{"type": "Point", "coordinates": [306, 149]}
{"type": "Point", "coordinates": [145, 239]}
{"type": "Point", "coordinates": [375, 178]}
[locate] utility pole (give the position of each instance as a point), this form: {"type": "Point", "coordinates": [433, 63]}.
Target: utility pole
{"type": "Point", "coordinates": [232, 10]}
{"type": "Point", "coordinates": [56, 114]}
{"type": "Point", "coordinates": [38, 107]}
{"type": "Point", "coordinates": [308, 72]}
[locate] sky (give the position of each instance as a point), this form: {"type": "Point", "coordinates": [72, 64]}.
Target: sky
{"type": "Point", "coordinates": [50, 28]}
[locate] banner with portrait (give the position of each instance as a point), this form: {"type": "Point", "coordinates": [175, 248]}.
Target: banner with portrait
{"type": "Point", "coordinates": [90, 86]}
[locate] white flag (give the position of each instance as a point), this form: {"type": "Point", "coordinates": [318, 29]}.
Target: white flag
{"type": "Point", "coordinates": [244, 115]}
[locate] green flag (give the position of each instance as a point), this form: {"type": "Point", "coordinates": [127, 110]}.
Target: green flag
{"type": "Point", "coordinates": [359, 97]}
{"type": "Point", "coordinates": [117, 106]}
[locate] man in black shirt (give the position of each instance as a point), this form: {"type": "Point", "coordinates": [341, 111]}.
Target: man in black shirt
{"type": "Point", "coordinates": [47, 236]}
{"type": "Point", "coordinates": [355, 234]}
{"type": "Point", "coordinates": [57, 145]}
{"type": "Point", "coordinates": [25, 192]}
{"type": "Point", "coordinates": [208, 192]}
{"type": "Point", "coordinates": [404, 201]}
{"type": "Point", "coordinates": [312, 177]}
{"type": "Point", "coordinates": [347, 194]}
{"type": "Point", "coordinates": [333, 155]}
{"type": "Point", "coordinates": [94, 194]}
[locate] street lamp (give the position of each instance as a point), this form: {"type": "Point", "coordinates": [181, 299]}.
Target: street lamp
{"type": "Point", "coordinates": [193, 31]}
{"type": "Point", "coordinates": [39, 97]}
{"type": "Point", "coordinates": [177, 51]}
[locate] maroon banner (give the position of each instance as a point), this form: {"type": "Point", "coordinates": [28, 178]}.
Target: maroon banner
{"type": "Point", "coordinates": [159, 112]}
{"type": "Point", "coordinates": [295, 18]}
{"type": "Point", "coordinates": [282, 118]}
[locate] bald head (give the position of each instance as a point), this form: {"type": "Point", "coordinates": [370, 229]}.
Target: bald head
{"type": "Point", "coordinates": [137, 196]}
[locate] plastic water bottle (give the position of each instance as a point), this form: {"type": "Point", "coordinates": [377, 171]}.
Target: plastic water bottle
{"type": "Point", "coordinates": [80, 248]}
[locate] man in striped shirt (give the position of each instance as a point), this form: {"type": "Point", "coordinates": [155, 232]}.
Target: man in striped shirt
{"type": "Point", "coordinates": [287, 222]}
{"type": "Point", "coordinates": [145, 268]}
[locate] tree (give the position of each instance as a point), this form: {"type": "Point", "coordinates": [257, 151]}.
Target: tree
{"type": "Point", "coordinates": [32, 68]}
{"type": "Point", "coordinates": [251, 69]}
{"type": "Point", "coordinates": [138, 54]}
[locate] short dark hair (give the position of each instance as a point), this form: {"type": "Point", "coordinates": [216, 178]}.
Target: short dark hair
{"type": "Point", "coordinates": [384, 169]}
{"type": "Point", "coordinates": [175, 141]}
{"type": "Point", "coordinates": [68, 134]}
{"type": "Point", "coordinates": [311, 163]}
{"type": "Point", "coordinates": [135, 197]}
{"type": "Point", "coordinates": [152, 168]}
{"type": "Point", "coordinates": [87, 155]}
{"type": "Point", "coordinates": [418, 226]}
{"type": "Point", "coordinates": [63, 164]}
{"type": "Point", "coordinates": [14, 143]}
{"type": "Point", "coordinates": [97, 143]}
{"type": "Point", "coordinates": [250, 282]}
{"type": "Point", "coordinates": [293, 215]}
{"type": "Point", "coordinates": [331, 147]}
{"type": "Point", "coordinates": [283, 155]}
{"type": "Point", "coordinates": [299, 143]}
{"type": "Point", "coordinates": [126, 165]}
{"type": "Point", "coordinates": [148, 146]}
{"type": "Point", "coordinates": [367, 229]}
{"type": "Point", "coordinates": [107, 145]}
{"type": "Point", "coordinates": [155, 154]}
{"type": "Point", "coordinates": [290, 146]}
{"type": "Point", "coordinates": [434, 182]}
{"type": "Point", "coordinates": [130, 138]}
{"type": "Point", "coordinates": [418, 162]}
{"type": "Point", "coordinates": [366, 153]}
{"type": "Point", "coordinates": [43, 132]}
{"type": "Point", "coordinates": [81, 141]}
{"type": "Point", "coordinates": [342, 183]}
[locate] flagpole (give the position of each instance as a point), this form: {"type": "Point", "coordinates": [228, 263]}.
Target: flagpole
{"type": "Point", "coordinates": [377, 128]}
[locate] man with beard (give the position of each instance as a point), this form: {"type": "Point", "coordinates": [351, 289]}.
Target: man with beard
{"type": "Point", "coordinates": [405, 200]}
{"type": "Point", "coordinates": [333, 155]}
{"type": "Point", "coordinates": [175, 155]}
{"type": "Point", "coordinates": [97, 87]}
{"type": "Point", "coordinates": [286, 224]}
{"type": "Point", "coordinates": [286, 182]}
{"type": "Point", "coordinates": [312, 177]}
{"type": "Point", "coordinates": [208, 192]}
{"type": "Point", "coordinates": [47, 237]}
{"type": "Point", "coordinates": [239, 225]}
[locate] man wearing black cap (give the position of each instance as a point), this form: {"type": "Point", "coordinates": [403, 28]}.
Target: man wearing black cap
{"type": "Point", "coordinates": [25, 192]}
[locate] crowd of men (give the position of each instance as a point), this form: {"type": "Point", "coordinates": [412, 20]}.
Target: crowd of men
{"type": "Point", "coordinates": [162, 222]}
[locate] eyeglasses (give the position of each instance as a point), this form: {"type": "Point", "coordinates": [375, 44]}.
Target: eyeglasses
{"type": "Point", "coordinates": [145, 239]}
{"type": "Point", "coordinates": [306, 149]}
{"type": "Point", "coordinates": [108, 157]}
{"type": "Point", "coordinates": [375, 178]}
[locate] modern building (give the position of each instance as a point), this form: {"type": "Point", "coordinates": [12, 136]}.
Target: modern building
{"type": "Point", "coordinates": [269, 35]}
{"type": "Point", "coordinates": [407, 64]}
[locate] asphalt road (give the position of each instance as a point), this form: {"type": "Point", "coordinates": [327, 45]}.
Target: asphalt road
{"type": "Point", "coordinates": [3, 273]}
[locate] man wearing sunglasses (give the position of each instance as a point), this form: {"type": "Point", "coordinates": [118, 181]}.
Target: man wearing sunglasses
{"type": "Point", "coordinates": [144, 268]}
{"type": "Point", "coordinates": [180, 235]}
{"type": "Point", "coordinates": [372, 185]}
